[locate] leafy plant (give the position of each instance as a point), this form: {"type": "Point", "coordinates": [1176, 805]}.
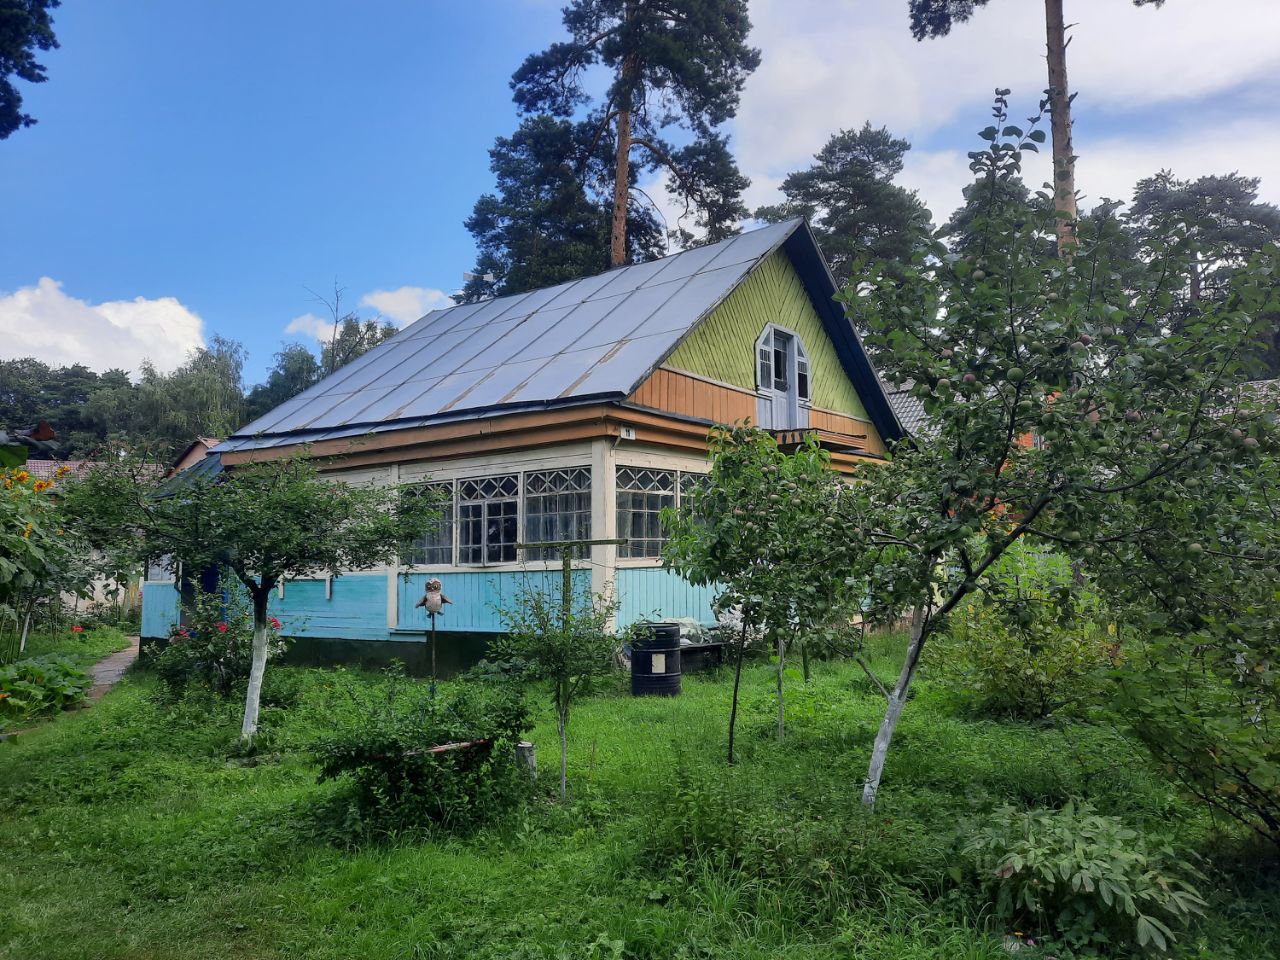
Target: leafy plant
{"type": "Point", "coordinates": [40, 685]}
{"type": "Point", "coordinates": [412, 756]}
{"type": "Point", "coordinates": [1032, 643]}
{"type": "Point", "coordinates": [1086, 876]}
{"type": "Point", "coordinates": [214, 648]}
{"type": "Point", "coordinates": [564, 640]}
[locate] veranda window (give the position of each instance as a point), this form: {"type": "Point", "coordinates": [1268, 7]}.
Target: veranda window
{"type": "Point", "coordinates": [488, 519]}
{"type": "Point", "coordinates": [435, 547]}
{"type": "Point", "coordinates": [557, 506]}
{"type": "Point", "coordinates": [641, 496]}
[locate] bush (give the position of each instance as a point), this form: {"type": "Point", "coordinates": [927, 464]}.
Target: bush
{"type": "Point", "coordinates": [386, 746]}
{"type": "Point", "coordinates": [41, 685]}
{"type": "Point", "coordinates": [1084, 876]}
{"type": "Point", "coordinates": [214, 650]}
{"type": "Point", "coordinates": [1031, 644]}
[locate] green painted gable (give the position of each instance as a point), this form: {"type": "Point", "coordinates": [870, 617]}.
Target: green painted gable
{"type": "Point", "coordinates": [722, 347]}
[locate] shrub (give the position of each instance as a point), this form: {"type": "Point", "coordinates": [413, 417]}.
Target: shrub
{"type": "Point", "coordinates": [386, 745]}
{"type": "Point", "coordinates": [41, 685]}
{"type": "Point", "coordinates": [1031, 644]}
{"type": "Point", "coordinates": [1085, 876]}
{"type": "Point", "coordinates": [213, 650]}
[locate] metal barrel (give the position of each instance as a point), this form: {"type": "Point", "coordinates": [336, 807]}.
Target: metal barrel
{"type": "Point", "coordinates": [655, 660]}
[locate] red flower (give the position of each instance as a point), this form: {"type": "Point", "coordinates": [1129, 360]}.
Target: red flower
{"type": "Point", "coordinates": [77, 629]}
{"type": "Point", "coordinates": [222, 628]}
{"type": "Point", "coordinates": [275, 623]}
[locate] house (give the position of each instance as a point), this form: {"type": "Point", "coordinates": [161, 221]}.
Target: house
{"type": "Point", "coordinates": [196, 451]}
{"type": "Point", "coordinates": [572, 412]}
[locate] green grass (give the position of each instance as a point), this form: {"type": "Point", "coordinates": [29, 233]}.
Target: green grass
{"type": "Point", "coordinates": [128, 832]}
{"type": "Point", "coordinates": [87, 648]}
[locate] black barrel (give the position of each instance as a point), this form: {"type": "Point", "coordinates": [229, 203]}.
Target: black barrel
{"type": "Point", "coordinates": [655, 660]}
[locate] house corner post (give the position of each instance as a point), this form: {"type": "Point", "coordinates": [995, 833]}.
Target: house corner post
{"type": "Point", "coordinates": [604, 519]}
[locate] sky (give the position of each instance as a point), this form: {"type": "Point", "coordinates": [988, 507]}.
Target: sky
{"type": "Point", "coordinates": [217, 167]}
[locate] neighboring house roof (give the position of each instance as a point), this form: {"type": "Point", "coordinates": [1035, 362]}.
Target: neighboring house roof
{"type": "Point", "coordinates": [908, 408]}
{"type": "Point", "coordinates": [590, 340]}
{"type": "Point", "coordinates": [48, 469]}
{"type": "Point", "coordinates": [196, 451]}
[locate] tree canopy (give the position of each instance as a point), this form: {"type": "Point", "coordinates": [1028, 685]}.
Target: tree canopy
{"type": "Point", "coordinates": [851, 201]}
{"type": "Point", "coordinates": [670, 68]}
{"type": "Point", "coordinates": [25, 27]}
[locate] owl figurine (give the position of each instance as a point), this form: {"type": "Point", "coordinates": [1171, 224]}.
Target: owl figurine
{"type": "Point", "coordinates": [434, 599]}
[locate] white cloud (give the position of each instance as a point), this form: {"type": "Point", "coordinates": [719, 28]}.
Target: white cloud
{"type": "Point", "coordinates": [406, 304]}
{"type": "Point", "coordinates": [827, 66]}
{"type": "Point", "coordinates": [44, 322]}
{"type": "Point", "coordinates": [312, 326]}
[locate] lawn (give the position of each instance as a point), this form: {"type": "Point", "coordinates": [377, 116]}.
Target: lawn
{"type": "Point", "coordinates": [132, 830]}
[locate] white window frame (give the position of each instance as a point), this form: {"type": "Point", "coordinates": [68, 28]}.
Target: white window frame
{"type": "Point", "coordinates": [485, 504]}
{"type": "Point", "coordinates": [677, 494]}
{"type": "Point", "coordinates": [799, 373]}
{"type": "Point", "coordinates": [450, 522]}
{"type": "Point", "coordinates": [575, 532]}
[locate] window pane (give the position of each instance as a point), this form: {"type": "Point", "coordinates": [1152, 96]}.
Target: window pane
{"type": "Point", "coordinates": [557, 507]}
{"type": "Point", "coordinates": [642, 493]}
{"type": "Point", "coordinates": [435, 547]}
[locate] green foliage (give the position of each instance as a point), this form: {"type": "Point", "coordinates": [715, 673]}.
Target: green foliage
{"type": "Point", "coordinates": [671, 70]}
{"type": "Point", "coordinates": [564, 641]}
{"type": "Point", "coordinates": [385, 740]}
{"type": "Point", "coordinates": [1031, 643]}
{"type": "Point", "coordinates": [40, 685]}
{"type": "Point", "coordinates": [1085, 876]}
{"type": "Point", "coordinates": [28, 27]}
{"type": "Point", "coordinates": [849, 198]}
{"type": "Point", "coordinates": [296, 369]}
{"type": "Point", "coordinates": [213, 650]}
{"type": "Point", "coordinates": [548, 221]}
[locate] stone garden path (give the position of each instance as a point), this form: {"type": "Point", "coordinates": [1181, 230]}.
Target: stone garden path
{"type": "Point", "coordinates": [107, 672]}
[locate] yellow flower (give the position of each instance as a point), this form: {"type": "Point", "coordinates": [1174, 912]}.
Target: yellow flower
{"type": "Point", "coordinates": [62, 471]}
{"type": "Point", "coordinates": [42, 485]}
{"type": "Point", "coordinates": [22, 476]}
{"type": "Point", "coordinates": [27, 532]}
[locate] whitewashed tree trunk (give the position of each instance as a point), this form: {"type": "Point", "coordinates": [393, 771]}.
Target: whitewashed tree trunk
{"type": "Point", "coordinates": [897, 700]}
{"type": "Point", "coordinates": [258, 666]}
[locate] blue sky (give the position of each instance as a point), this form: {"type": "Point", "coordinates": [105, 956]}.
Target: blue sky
{"type": "Point", "coordinates": [200, 166]}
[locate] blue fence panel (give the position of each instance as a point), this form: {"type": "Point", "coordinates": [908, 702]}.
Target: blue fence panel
{"type": "Point", "coordinates": [159, 609]}
{"type": "Point", "coordinates": [646, 593]}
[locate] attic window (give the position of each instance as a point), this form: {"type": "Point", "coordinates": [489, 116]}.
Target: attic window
{"type": "Point", "coordinates": [782, 365]}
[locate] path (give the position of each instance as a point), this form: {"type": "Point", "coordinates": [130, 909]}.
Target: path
{"type": "Point", "coordinates": [107, 672]}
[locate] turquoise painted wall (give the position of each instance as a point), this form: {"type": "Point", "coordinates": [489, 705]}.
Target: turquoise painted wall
{"type": "Point", "coordinates": [646, 592]}
{"type": "Point", "coordinates": [159, 609]}
{"type": "Point", "coordinates": [357, 611]}
{"type": "Point", "coordinates": [474, 595]}
{"type": "Point", "coordinates": [358, 608]}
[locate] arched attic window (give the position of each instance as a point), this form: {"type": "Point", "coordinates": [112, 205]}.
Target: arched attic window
{"type": "Point", "coordinates": [782, 380]}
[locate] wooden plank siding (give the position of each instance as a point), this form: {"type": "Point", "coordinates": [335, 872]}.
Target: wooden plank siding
{"type": "Point", "coordinates": [722, 347]}
{"type": "Point", "coordinates": [674, 391]}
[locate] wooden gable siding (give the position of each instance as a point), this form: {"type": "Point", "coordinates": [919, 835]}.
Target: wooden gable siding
{"type": "Point", "coordinates": [722, 347]}
{"type": "Point", "coordinates": [679, 392]}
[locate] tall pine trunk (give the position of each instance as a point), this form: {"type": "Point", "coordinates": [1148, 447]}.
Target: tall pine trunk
{"type": "Point", "coordinates": [1064, 163]}
{"type": "Point", "coordinates": [258, 666]}
{"type": "Point", "coordinates": [621, 190]}
{"type": "Point", "coordinates": [897, 700]}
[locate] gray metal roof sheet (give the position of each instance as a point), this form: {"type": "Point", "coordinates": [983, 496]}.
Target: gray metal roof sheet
{"type": "Point", "coordinates": [597, 337]}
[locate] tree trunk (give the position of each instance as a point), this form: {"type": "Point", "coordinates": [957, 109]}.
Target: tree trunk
{"type": "Point", "coordinates": [1064, 162]}
{"type": "Point", "coordinates": [621, 191]}
{"type": "Point", "coordinates": [804, 659]}
{"type": "Point", "coordinates": [261, 639]}
{"type": "Point", "coordinates": [897, 700]}
{"type": "Point", "coordinates": [782, 649]}
{"type": "Point", "coordinates": [562, 726]}
{"type": "Point", "coordinates": [737, 681]}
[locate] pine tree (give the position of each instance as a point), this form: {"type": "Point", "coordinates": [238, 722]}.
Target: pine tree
{"type": "Point", "coordinates": [672, 66]}
{"type": "Point", "coordinates": [548, 220]}
{"type": "Point", "coordinates": [849, 198]}
{"type": "Point", "coordinates": [934, 18]}
{"type": "Point", "coordinates": [25, 27]}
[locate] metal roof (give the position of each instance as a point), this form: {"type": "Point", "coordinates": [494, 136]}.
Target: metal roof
{"type": "Point", "coordinates": [589, 340]}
